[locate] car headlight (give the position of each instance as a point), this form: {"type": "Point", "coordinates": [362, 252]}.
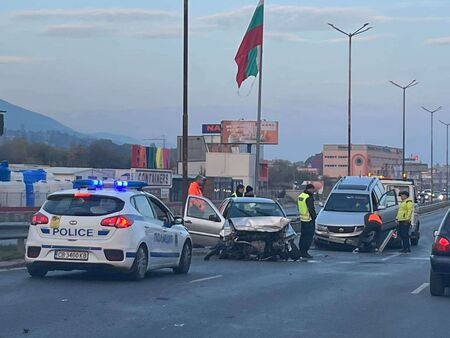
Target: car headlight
{"type": "Point", "coordinates": [320, 227]}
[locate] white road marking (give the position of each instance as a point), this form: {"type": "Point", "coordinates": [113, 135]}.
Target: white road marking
{"type": "Point", "coordinates": [12, 269]}
{"type": "Point", "coordinates": [420, 288]}
{"type": "Point", "coordinates": [389, 257]}
{"type": "Point", "coordinates": [205, 279]}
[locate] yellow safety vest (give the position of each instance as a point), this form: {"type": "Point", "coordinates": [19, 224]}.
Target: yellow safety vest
{"type": "Point", "coordinates": [405, 211]}
{"type": "Point", "coordinates": [234, 194]}
{"type": "Point", "coordinates": [303, 208]}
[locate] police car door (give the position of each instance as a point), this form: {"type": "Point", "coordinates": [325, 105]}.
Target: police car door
{"type": "Point", "coordinates": [170, 242]}
{"type": "Point", "coordinates": [152, 229]}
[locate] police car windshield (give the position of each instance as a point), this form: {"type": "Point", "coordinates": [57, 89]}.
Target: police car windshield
{"type": "Point", "coordinates": [251, 209]}
{"type": "Point", "coordinates": [348, 203]}
{"type": "Point", "coordinates": [93, 205]}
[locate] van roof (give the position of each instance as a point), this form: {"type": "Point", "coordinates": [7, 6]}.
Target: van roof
{"type": "Point", "coordinates": [360, 183]}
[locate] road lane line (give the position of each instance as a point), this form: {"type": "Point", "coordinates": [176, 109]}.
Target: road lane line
{"type": "Point", "coordinates": [391, 256]}
{"type": "Point", "coordinates": [12, 269]}
{"type": "Point", "coordinates": [205, 279]}
{"type": "Point", "coordinates": [420, 288]}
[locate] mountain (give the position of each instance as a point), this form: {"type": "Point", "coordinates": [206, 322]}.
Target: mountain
{"type": "Point", "coordinates": [21, 119]}
{"type": "Point", "coordinates": [18, 118]}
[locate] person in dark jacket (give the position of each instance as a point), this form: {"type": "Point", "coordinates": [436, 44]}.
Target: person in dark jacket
{"type": "Point", "coordinates": [372, 223]}
{"type": "Point", "coordinates": [239, 191]}
{"type": "Point", "coordinates": [308, 217]}
{"type": "Point", "coordinates": [249, 191]}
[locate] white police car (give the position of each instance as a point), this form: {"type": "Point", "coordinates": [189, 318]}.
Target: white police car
{"type": "Point", "coordinates": [94, 226]}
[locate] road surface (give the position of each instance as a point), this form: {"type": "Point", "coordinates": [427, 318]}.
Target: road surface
{"type": "Point", "coordinates": [338, 294]}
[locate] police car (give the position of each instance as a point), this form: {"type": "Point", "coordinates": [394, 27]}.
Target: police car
{"type": "Point", "coordinates": [98, 225]}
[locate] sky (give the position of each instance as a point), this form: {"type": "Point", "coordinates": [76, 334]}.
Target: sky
{"type": "Point", "coordinates": [116, 66]}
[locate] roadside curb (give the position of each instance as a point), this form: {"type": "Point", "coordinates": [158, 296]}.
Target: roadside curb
{"type": "Point", "coordinates": [16, 263]}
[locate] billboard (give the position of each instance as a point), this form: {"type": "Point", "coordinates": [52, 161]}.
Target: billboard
{"type": "Point", "coordinates": [245, 132]}
{"type": "Point", "coordinates": [212, 128]}
{"type": "Point", "coordinates": [155, 178]}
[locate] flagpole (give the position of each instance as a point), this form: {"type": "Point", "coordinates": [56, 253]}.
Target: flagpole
{"type": "Point", "coordinates": [258, 123]}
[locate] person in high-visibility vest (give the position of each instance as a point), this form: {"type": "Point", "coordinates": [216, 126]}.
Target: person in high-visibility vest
{"type": "Point", "coordinates": [308, 216]}
{"type": "Point", "coordinates": [404, 215]}
{"type": "Point", "coordinates": [372, 223]}
{"type": "Point", "coordinates": [239, 191]}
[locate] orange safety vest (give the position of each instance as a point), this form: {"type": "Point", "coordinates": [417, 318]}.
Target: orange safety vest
{"type": "Point", "coordinates": [194, 189]}
{"type": "Point", "coordinates": [375, 218]}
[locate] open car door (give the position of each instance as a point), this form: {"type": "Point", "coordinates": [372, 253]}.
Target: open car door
{"type": "Point", "coordinates": [388, 209]}
{"type": "Point", "coordinates": [203, 221]}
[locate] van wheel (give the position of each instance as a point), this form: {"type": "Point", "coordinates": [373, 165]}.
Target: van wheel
{"type": "Point", "coordinates": [185, 259]}
{"type": "Point", "coordinates": [437, 287]}
{"type": "Point", "coordinates": [36, 271]}
{"type": "Point", "coordinates": [140, 264]}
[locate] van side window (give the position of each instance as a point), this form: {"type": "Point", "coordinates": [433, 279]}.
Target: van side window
{"type": "Point", "coordinates": [375, 201]}
{"type": "Point", "coordinates": [378, 193]}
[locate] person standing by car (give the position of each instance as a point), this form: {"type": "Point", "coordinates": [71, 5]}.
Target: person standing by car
{"type": "Point", "coordinates": [249, 191]}
{"type": "Point", "coordinates": [239, 191]}
{"type": "Point", "coordinates": [196, 187]}
{"type": "Point", "coordinates": [405, 212]}
{"type": "Point", "coordinates": [308, 217]}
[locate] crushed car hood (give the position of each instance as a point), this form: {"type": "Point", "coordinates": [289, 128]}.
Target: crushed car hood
{"type": "Point", "coordinates": [260, 224]}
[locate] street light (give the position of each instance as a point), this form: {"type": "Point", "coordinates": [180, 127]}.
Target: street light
{"type": "Point", "coordinates": [411, 84]}
{"type": "Point", "coordinates": [185, 102]}
{"type": "Point", "coordinates": [361, 30]}
{"type": "Point", "coordinates": [432, 114]}
{"type": "Point", "coordinates": [446, 158]}
{"type": "Point", "coordinates": [2, 122]}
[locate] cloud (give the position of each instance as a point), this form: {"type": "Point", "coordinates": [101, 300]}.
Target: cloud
{"type": "Point", "coordinates": [95, 13]}
{"type": "Point", "coordinates": [291, 37]}
{"type": "Point", "coordinates": [76, 30]}
{"type": "Point", "coordinates": [10, 59]}
{"type": "Point", "coordinates": [283, 17]}
{"type": "Point", "coordinates": [160, 33]}
{"type": "Point", "coordinates": [438, 41]}
{"type": "Point", "coordinates": [363, 38]}
{"type": "Point", "coordinates": [417, 19]}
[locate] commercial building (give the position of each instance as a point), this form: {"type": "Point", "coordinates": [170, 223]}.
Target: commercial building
{"type": "Point", "coordinates": [365, 159]}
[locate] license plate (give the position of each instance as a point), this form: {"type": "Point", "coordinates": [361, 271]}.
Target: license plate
{"type": "Point", "coordinates": [72, 255]}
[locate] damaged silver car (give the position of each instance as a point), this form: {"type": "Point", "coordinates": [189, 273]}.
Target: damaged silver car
{"type": "Point", "coordinates": [242, 228]}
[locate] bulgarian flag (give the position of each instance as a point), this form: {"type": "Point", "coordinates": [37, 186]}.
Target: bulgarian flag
{"type": "Point", "coordinates": [248, 54]}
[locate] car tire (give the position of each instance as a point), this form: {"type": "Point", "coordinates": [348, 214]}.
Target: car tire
{"type": "Point", "coordinates": [415, 241]}
{"type": "Point", "coordinates": [140, 264]}
{"type": "Point", "coordinates": [294, 254]}
{"type": "Point", "coordinates": [437, 286]}
{"type": "Point", "coordinates": [36, 271]}
{"type": "Point", "coordinates": [185, 259]}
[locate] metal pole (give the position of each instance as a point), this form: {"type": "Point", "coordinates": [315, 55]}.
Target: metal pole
{"type": "Point", "coordinates": [185, 103]}
{"type": "Point", "coordinates": [349, 142]}
{"type": "Point", "coordinates": [432, 189]}
{"type": "Point", "coordinates": [446, 164]}
{"type": "Point", "coordinates": [258, 124]}
{"type": "Point", "coordinates": [404, 133]}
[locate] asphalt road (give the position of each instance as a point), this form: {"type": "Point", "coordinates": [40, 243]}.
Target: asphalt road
{"type": "Point", "coordinates": [338, 294]}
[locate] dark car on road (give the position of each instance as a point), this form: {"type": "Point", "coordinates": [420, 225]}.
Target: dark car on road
{"type": "Point", "coordinates": [440, 259]}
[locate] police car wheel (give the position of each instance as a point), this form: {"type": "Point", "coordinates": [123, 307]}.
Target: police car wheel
{"type": "Point", "coordinates": [36, 271]}
{"type": "Point", "coordinates": [139, 268]}
{"type": "Point", "coordinates": [185, 259]}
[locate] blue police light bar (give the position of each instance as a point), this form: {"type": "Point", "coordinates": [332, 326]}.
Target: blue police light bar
{"type": "Point", "coordinates": [123, 185]}
{"type": "Point", "coordinates": [90, 184]}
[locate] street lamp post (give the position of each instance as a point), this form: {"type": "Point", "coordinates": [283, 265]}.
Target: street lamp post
{"type": "Point", "coordinates": [411, 84]}
{"type": "Point", "coordinates": [361, 30]}
{"type": "Point", "coordinates": [446, 158]}
{"type": "Point", "coordinates": [432, 168]}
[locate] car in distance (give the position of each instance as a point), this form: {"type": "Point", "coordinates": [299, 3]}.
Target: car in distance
{"type": "Point", "coordinates": [95, 226]}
